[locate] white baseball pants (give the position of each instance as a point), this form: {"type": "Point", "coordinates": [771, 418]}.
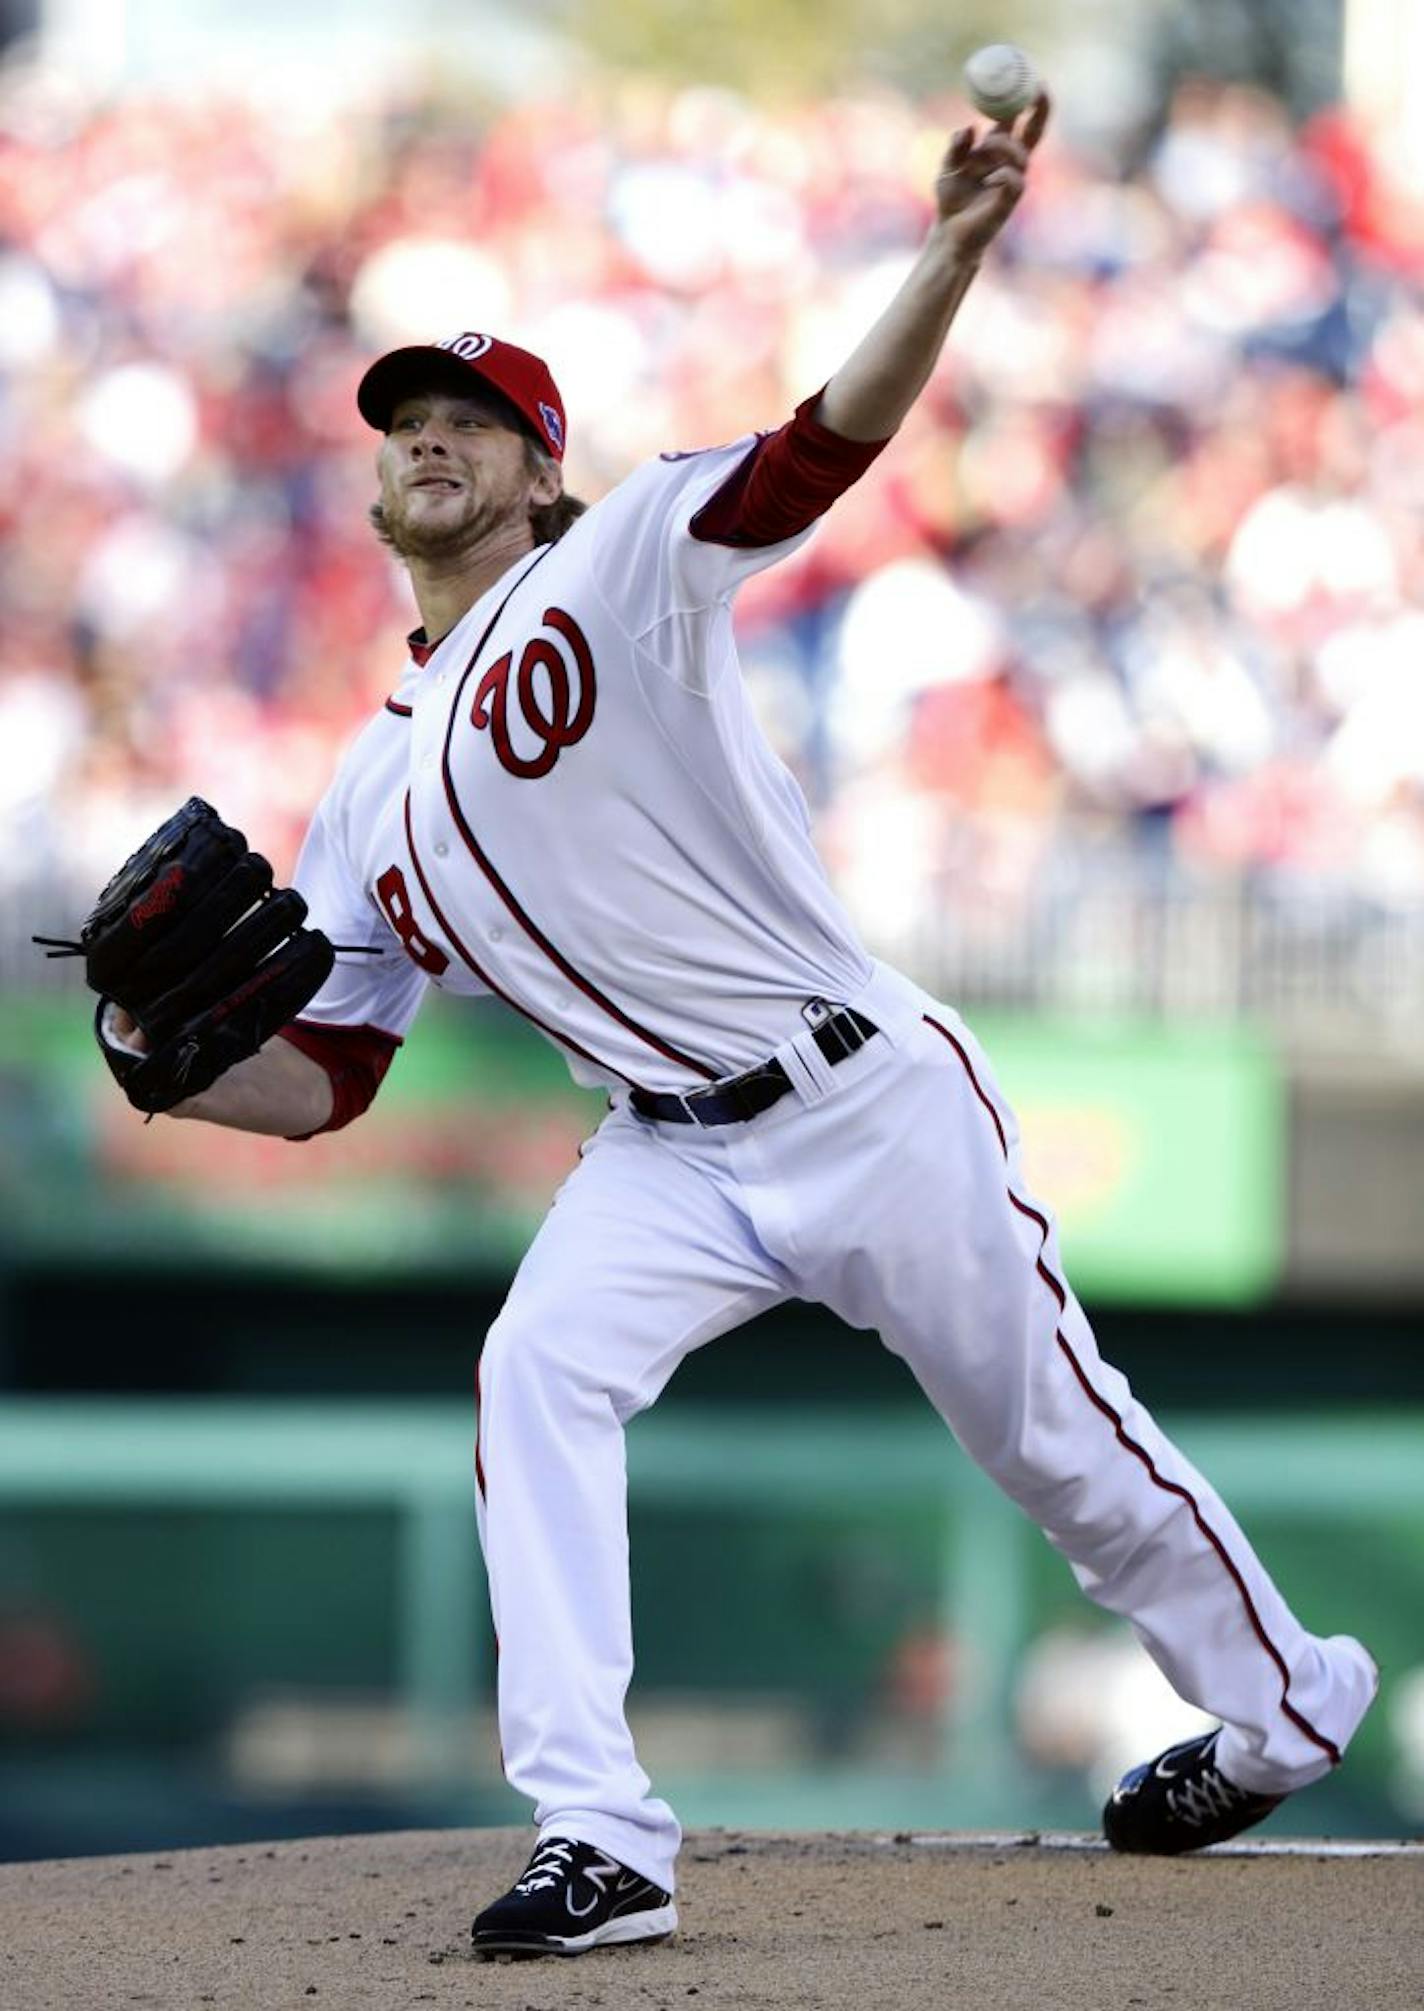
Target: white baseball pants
{"type": "Point", "coordinates": [888, 1188]}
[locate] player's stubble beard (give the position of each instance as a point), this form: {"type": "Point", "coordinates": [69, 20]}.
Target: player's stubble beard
{"type": "Point", "coordinates": [432, 543]}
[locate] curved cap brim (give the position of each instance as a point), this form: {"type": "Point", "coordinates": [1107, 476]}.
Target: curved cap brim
{"type": "Point", "coordinates": [402, 372]}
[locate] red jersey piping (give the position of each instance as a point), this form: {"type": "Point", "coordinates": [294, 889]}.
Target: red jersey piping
{"type": "Point", "coordinates": [526, 922]}
{"type": "Point", "coordinates": [564, 1040]}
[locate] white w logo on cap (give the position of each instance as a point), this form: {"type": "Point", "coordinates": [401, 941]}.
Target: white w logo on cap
{"type": "Point", "coordinates": [467, 346]}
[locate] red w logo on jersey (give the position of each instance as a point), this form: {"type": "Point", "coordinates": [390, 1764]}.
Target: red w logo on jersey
{"type": "Point", "coordinates": [556, 708]}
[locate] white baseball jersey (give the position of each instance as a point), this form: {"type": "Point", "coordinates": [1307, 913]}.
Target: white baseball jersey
{"type": "Point", "coordinates": [571, 806]}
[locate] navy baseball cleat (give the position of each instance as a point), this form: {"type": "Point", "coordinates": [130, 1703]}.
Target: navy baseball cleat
{"type": "Point", "coordinates": [573, 1897]}
{"type": "Point", "coordinates": [1181, 1801]}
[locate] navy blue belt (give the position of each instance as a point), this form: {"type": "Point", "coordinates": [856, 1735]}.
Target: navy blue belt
{"type": "Point", "coordinates": [738, 1097]}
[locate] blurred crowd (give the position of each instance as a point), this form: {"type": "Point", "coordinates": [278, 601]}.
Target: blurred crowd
{"type": "Point", "coordinates": [1141, 573]}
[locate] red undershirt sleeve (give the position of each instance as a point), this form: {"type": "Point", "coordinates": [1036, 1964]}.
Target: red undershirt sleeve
{"type": "Point", "coordinates": [787, 480]}
{"type": "Point", "coordinates": [355, 1058]}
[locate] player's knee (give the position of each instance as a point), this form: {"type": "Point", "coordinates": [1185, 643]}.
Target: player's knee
{"type": "Point", "coordinates": [545, 1348]}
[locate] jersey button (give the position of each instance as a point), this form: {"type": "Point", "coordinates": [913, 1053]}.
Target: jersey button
{"type": "Point", "coordinates": [441, 849]}
{"type": "Point", "coordinates": [495, 935]}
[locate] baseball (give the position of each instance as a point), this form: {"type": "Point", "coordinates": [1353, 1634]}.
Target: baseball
{"type": "Point", "coordinates": [1001, 80]}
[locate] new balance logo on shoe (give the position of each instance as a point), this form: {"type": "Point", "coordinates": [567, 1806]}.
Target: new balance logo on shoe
{"type": "Point", "coordinates": [567, 1882]}
{"type": "Point", "coordinates": [597, 1875]}
{"type": "Point", "coordinates": [1181, 1801]}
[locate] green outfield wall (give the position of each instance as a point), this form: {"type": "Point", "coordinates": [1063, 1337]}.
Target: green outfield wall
{"type": "Point", "coordinates": [1162, 1151]}
{"type": "Point", "coordinates": [245, 1619]}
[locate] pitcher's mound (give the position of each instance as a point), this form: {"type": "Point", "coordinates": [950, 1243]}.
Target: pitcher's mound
{"type": "Point", "coordinates": [792, 1923]}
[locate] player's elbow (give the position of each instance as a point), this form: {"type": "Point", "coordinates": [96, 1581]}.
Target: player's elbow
{"type": "Point", "coordinates": [355, 1060]}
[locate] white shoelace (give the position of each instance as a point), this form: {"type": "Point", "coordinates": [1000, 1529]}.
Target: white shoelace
{"type": "Point", "coordinates": [1210, 1795]}
{"type": "Point", "coordinates": [546, 1867]}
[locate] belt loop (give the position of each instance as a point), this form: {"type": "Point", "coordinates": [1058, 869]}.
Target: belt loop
{"type": "Point", "coordinates": [811, 1074]}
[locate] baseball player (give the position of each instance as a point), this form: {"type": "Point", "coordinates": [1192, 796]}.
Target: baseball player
{"type": "Point", "coordinates": [566, 803]}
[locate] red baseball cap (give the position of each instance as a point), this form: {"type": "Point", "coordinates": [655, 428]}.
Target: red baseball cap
{"type": "Point", "coordinates": [517, 374]}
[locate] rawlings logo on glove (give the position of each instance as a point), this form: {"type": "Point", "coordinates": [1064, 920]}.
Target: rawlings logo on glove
{"type": "Point", "coordinates": [198, 947]}
{"type": "Point", "coordinates": [163, 897]}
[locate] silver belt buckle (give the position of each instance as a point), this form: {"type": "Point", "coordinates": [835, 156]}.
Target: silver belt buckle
{"type": "Point", "coordinates": [816, 1012]}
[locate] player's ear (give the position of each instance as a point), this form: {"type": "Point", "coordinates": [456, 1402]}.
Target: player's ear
{"type": "Point", "coordinates": [546, 479]}
{"type": "Point", "coordinates": [546, 487]}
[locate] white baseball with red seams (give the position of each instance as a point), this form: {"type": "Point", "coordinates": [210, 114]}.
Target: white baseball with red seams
{"type": "Point", "coordinates": [1000, 80]}
{"type": "Point", "coordinates": [570, 805]}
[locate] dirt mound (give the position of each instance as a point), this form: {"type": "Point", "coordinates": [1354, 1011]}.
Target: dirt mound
{"type": "Point", "coordinates": [800, 1923]}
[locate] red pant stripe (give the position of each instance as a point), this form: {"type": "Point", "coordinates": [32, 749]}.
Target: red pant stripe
{"type": "Point", "coordinates": [1120, 1432]}
{"type": "Point", "coordinates": [480, 1484]}
{"type": "Point", "coordinates": [479, 1426]}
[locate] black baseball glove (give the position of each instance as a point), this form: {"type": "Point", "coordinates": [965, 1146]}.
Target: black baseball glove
{"type": "Point", "coordinates": [193, 941]}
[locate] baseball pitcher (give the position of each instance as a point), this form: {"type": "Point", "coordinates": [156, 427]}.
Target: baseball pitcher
{"type": "Point", "coordinates": [566, 803]}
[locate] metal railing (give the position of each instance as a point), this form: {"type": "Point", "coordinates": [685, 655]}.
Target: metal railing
{"type": "Point", "coordinates": [1122, 937]}
{"type": "Point", "coordinates": [1113, 933]}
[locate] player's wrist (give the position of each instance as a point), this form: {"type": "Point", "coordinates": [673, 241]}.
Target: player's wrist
{"type": "Point", "coordinates": [950, 253]}
{"type": "Point", "coordinates": [943, 274]}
